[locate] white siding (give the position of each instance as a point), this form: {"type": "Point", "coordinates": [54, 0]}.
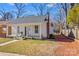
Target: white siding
{"type": "Point", "coordinates": [31, 29]}
{"type": "Point", "coordinates": [44, 30]}
{"type": "Point", "coordinates": [14, 30]}
{"type": "Point", "coordinates": [21, 29]}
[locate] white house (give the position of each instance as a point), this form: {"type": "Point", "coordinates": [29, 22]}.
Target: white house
{"type": "Point", "coordinates": [30, 26]}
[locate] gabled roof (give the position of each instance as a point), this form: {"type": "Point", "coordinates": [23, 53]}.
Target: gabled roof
{"type": "Point", "coordinates": [30, 19]}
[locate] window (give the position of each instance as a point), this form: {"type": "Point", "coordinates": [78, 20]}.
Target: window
{"type": "Point", "coordinates": [4, 28]}
{"type": "Point", "coordinates": [9, 30]}
{"type": "Point", "coordinates": [36, 28]}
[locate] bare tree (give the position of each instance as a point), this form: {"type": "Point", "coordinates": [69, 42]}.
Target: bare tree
{"type": "Point", "coordinates": [62, 14]}
{"type": "Point", "coordinates": [72, 4]}
{"type": "Point", "coordinates": [41, 8]}
{"type": "Point", "coordinates": [65, 8]}
{"type": "Point", "coordinates": [20, 9]}
{"type": "Point", "coordinates": [8, 16]}
{"type": "Point", "coordinates": [5, 15]}
{"type": "Point", "coordinates": [59, 19]}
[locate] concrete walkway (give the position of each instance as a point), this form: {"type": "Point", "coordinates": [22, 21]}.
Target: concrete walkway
{"type": "Point", "coordinates": [2, 44]}
{"type": "Point", "coordinates": [9, 54]}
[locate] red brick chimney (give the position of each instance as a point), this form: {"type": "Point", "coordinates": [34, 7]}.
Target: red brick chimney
{"type": "Point", "coordinates": [48, 25]}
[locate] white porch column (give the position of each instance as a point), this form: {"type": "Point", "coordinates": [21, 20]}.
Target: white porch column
{"type": "Point", "coordinates": [40, 31]}
{"type": "Point", "coordinates": [30, 30]}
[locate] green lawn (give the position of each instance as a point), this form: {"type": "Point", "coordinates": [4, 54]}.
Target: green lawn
{"type": "Point", "coordinates": [2, 40]}
{"type": "Point", "coordinates": [30, 47]}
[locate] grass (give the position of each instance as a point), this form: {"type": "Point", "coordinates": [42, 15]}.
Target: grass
{"type": "Point", "coordinates": [2, 40]}
{"type": "Point", "coordinates": [30, 47]}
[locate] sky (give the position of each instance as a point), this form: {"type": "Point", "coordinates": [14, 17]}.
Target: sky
{"type": "Point", "coordinates": [30, 10]}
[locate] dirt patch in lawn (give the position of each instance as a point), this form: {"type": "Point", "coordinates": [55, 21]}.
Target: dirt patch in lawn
{"type": "Point", "coordinates": [67, 49]}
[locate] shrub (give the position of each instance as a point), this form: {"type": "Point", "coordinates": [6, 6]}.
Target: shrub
{"type": "Point", "coordinates": [24, 38]}
{"type": "Point", "coordinates": [71, 35]}
{"type": "Point", "coordinates": [51, 36]}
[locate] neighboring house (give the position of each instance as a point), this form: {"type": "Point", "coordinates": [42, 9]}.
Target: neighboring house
{"type": "Point", "coordinates": [31, 26]}
{"type": "Point", "coordinates": [5, 28]}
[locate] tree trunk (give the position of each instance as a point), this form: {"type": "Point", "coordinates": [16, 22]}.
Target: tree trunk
{"type": "Point", "coordinates": [65, 23]}
{"type": "Point", "coordinates": [60, 27]}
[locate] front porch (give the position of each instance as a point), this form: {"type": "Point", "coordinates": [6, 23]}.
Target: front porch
{"type": "Point", "coordinates": [27, 30]}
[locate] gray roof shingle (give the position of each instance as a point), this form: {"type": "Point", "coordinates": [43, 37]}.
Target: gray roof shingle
{"type": "Point", "coordinates": [30, 19]}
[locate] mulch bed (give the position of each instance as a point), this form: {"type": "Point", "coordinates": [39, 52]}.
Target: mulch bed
{"type": "Point", "coordinates": [62, 38]}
